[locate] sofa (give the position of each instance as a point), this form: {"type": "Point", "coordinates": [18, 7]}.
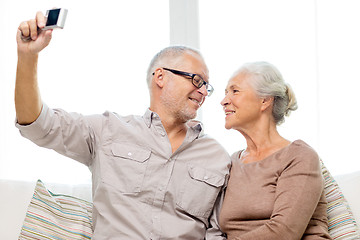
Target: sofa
{"type": "Point", "coordinates": [16, 195]}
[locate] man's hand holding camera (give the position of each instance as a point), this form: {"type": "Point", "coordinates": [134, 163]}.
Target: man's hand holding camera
{"type": "Point", "coordinates": [35, 34]}
{"type": "Point", "coordinates": [30, 38]}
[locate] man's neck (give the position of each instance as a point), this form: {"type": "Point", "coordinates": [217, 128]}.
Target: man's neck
{"type": "Point", "coordinates": [176, 129]}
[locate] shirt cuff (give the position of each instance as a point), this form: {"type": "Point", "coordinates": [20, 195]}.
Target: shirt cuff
{"type": "Point", "coordinates": [39, 128]}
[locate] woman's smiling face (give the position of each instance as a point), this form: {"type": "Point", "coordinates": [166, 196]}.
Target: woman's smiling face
{"type": "Point", "coordinates": [241, 104]}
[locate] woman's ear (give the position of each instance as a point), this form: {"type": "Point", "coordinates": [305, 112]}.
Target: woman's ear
{"type": "Point", "coordinates": [159, 77]}
{"type": "Point", "coordinates": [267, 102]}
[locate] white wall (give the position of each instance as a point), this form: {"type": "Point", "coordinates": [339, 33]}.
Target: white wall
{"type": "Point", "coordinates": [315, 44]}
{"type": "Point", "coordinates": [98, 62]}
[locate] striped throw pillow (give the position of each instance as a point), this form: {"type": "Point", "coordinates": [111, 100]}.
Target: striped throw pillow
{"type": "Point", "coordinates": [56, 216]}
{"type": "Point", "coordinates": [342, 224]}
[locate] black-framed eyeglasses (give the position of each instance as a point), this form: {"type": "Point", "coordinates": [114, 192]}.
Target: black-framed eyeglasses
{"type": "Point", "coordinates": [197, 80]}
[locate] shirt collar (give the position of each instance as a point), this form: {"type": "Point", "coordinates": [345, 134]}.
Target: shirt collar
{"type": "Point", "coordinates": [195, 125]}
{"type": "Point", "coordinates": [148, 117]}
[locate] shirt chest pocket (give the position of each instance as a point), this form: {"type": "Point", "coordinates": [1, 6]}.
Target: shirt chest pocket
{"type": "Point", "coordinates": [199, 191]}
{"type": "Point", "coordinates": [126, 167]}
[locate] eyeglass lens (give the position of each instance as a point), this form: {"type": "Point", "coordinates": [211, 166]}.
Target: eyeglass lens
{"type": "Point", "coordinates": [198, 81]}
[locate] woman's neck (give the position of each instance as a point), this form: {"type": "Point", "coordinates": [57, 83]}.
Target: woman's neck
{"type": "Point", "coordinates": [262, 143]}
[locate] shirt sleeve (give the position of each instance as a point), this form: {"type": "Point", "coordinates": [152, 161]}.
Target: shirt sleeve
{"type": "Point", "coordinates": [298, 191]}
{"type": "Point", "coordinates": [213, 232]}
{"type": "Point", "coordinates": [69, 134]}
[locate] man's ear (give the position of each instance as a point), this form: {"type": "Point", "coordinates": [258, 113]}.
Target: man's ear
{"type": "Point", "coordinates": [267, 102]}
{"type": "Point", "coordinates": [159, 77]}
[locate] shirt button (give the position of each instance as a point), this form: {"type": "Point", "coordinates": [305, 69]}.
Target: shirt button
{"type": "Point", "coordinates": [206, 178]}
{"type": "Point", "coordinates": [129, 154]}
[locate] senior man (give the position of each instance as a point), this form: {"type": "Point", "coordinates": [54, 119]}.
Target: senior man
{"type": "Point", "coordinates": [156, 176]}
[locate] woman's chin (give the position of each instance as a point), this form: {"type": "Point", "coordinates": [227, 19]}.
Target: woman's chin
{"type": "Point", "coordinates": [228, 126]}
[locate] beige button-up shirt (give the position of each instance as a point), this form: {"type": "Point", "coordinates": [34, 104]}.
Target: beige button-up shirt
{"type": "Point", "coordinates": [141, 190]}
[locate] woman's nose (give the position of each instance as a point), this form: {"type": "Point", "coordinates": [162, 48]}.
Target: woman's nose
{"type": "Point", "coordinates": [225, 101]}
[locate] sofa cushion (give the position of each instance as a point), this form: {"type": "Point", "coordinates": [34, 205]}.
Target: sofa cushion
{"type": "Point", "coordinates": [56, 216]}
{"type": "Point", "coordinates": [342, 224]}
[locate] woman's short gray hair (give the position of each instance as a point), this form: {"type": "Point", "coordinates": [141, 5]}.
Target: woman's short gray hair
{"type": "Point", "coordinates": [267, 81]}
{"type": "Point", "coordinates": [165, 56]}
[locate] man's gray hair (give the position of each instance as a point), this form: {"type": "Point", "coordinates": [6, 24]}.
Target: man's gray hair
{"type": "Point", "coordinates": [162, 58]}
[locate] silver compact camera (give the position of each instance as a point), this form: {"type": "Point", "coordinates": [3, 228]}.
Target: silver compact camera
{"type": "Point", "coordinates": [55, 18]}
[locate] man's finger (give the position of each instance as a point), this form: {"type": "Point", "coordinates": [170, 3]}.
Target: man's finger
{"type": "Point", "coordinates": [40, 19]}
{"type": "Point", "coordinates": [24, 28]}
{"type": "Point", "coordinates": [33, 29]}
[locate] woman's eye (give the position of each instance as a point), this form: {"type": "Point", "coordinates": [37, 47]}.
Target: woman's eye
{"type": "Point", "coordinates": [235, 91]}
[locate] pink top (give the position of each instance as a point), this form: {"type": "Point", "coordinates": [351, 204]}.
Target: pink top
{"type": "Point", "coordinates": [280, 197]}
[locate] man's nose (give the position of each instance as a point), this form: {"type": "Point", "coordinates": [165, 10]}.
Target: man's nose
{"type": "Point", "coordinates": [203, 90]}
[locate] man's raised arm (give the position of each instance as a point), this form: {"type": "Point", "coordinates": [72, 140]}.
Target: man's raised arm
{"type": "Point", "coordinates": [28, 102]}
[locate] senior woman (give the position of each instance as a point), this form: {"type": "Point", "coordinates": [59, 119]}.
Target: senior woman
{"type": "Point", "coordinates": [275, 190]}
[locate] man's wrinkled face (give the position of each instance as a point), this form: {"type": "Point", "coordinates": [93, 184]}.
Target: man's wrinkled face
{"type": "Point", "coordinates": [180, 96]}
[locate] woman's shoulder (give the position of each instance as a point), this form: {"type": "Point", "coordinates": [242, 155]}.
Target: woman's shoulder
{"type": "Point", "coordinates": [300, 146]}
{"type": "Point", "coordinates": [299, 150]}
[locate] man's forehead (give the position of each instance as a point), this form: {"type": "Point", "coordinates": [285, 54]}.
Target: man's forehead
{"type": "Point", "coordinates": [194, 55]}
{"type": "Point", "coordinates": [196, 63]}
